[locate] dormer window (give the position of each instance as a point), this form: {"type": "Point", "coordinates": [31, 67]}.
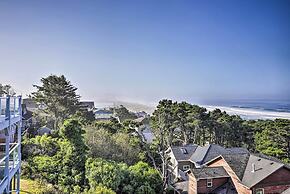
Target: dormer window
{"type": "Point", "coordinates": [184, 151]}
{"type": "Point", "coordinates": [209, 183]}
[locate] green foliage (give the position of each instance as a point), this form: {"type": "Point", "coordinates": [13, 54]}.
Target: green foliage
{"type": "Point", "coordinates": [145, 179]}
{"type": "Point", "coordinates": [58, 97]}
{"type": "Point", "coordinates": [84, 116]}
{"type": "Point", "coordinates": [124, 114]}
{"type": "Point", "coordinates": [108, 174]}
{"type": "Point", "coordinates": [112, 125]}
{"type": "Point", "coordinates": [119, 146]}
{"type": "Point", "coordinates": [59, 161]}
{"type": "Point", "coordinates": [103, 190]}
{"type": "Point", "coordinates": [183, 123]}
{"type": "Point", "coordinates": [40, 145]}
{"type": "Point", "coordinates": [45, 168]}
{"type": "Point", "coordinates": [139, 178]}
{"type": "Point", "coordinates": [273, 138]}
{"type": "Point", "coordinates": [72, 156]}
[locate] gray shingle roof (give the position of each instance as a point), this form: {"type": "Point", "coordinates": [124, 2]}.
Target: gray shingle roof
{"type": "Point", "coordinates": [182, 187]}
{"type": "Point", "coordinates": [209, 172]}
{"type": "Point", "coordinates": [209, 152]}
{"type": "Point", "coordinates": [180, 155]}
{"type": "Point", "coordinates": [238, 162]}
{"type": "Point", "coordinates": [199, 154]}
{"type": "Point", "coordinates": [203, 154]}
{"type": "Point", "coordinates": [262, 166]}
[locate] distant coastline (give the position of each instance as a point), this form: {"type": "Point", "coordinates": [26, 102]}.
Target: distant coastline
{"type": "Point", "coordinates": [248, 110]}
{"type": "Point", "coordinates": [251, 113]}
{"type": "Point", "coordinates": [262, 109]}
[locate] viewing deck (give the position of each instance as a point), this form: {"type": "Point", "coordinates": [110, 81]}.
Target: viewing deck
{"type": "Point", "coordinates": [10, 144]}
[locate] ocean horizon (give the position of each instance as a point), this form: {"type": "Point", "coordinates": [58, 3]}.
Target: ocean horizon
{"type": "Point", "coordinates": [246, 109]}
{"type": "Point", "coordinates": [253, 109]}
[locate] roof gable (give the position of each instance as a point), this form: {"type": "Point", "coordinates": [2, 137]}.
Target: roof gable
{"type": "Point", "coordinates": [259, 168]}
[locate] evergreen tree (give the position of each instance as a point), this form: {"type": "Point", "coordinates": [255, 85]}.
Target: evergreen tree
{"type": "Point", "coordinates": [58, 97]}
{"type": "Point", "coordinates": [72, 157]}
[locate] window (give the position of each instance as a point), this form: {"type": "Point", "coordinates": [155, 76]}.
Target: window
{"type": "Point", "coordinates": [259, 191]}
{"type": "Point", "coordinates": [209, 182]}
{"type": "Point", "coordinates": [186, 167]}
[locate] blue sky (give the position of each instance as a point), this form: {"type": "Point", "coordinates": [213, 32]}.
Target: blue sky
{"type": "Point", "coordinates": [147, 50]}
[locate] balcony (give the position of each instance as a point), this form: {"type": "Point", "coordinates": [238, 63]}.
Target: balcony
{"type": "Point", "coordinates": [10, 111]}
{"type": "Point", "coordinates": [10, 143]}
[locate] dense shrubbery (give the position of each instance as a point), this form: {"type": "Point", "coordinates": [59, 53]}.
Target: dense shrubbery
{"type": "Point", "coordinates": [61, 161]}
{"type": "Point", "coordinates": [139, 178]}
{"type": "Point", "coordinates": [109, 140]}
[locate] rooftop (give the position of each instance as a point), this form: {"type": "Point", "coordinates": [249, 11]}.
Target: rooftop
{"type": "Point", "coordinates": [209, 172]}
{"type": "Point", "coordinates": [184, 152]}
{"type": "Point", "coordinates": [203, 154]}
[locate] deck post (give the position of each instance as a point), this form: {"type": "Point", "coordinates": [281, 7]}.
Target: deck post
{"type": "Point", "coordinates": [19, 127]}
{"type": "Point", "coordinates": [7, 142]}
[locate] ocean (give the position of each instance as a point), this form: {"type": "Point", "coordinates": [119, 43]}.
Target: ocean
{"type": "Point", "coordinates": [258, 109]}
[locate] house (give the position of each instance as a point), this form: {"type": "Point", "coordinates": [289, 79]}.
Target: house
{"type": "Point", "coordinates": [89, 105]}
{"type": "Point", "coordinates": [183, 158]}
{"type": "Point", "coordinates": [141, 114]}
{"type": "Point", "coordinates": [103, 114]}
{"type": "Point", "coordinates": [255, 173]}
{"type": "Point", "coordinates": [30, 104]}
{"type": "Point", "coordinates": [210, 180]}
{"type": "Point", "coordinates": [214, 169]}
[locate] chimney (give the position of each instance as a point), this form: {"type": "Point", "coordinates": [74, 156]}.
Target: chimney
{"type": "Point", "coordinates": [253, 167]}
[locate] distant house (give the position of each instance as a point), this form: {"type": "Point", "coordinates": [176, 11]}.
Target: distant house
{"type": "Point", "coordinates": [103, 114]}
{"type": "Point", "coordinates": [89, 105]}
{"type": "Point", "coordinates": [218, 170]}
{"type": "Point", "coordinates": [141, 114]}
{"type": "Point", "coordinates": [30, 104]}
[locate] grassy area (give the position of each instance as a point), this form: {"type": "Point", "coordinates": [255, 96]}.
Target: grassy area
{"type": "Point", "coordinates": [33, 187]}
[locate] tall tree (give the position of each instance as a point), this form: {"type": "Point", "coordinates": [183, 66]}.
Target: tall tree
{"type": "Point", "coordinates": [72, 157]}
{"type": "Point", "coordinates": [58, 97]}
{"type": "Point", "coordinates": [6, 90]}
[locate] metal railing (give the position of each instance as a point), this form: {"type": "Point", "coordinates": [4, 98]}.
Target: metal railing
{"type": "Point", "coordinates": [10, 106]}
{"type": "Point", "coordinates": [13, 157]}
{"type": "Point", "coordinates": [10, 152]}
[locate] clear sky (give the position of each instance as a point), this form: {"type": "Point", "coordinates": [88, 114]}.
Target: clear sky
{"type": "Point", "coordinates": [144, 50]}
